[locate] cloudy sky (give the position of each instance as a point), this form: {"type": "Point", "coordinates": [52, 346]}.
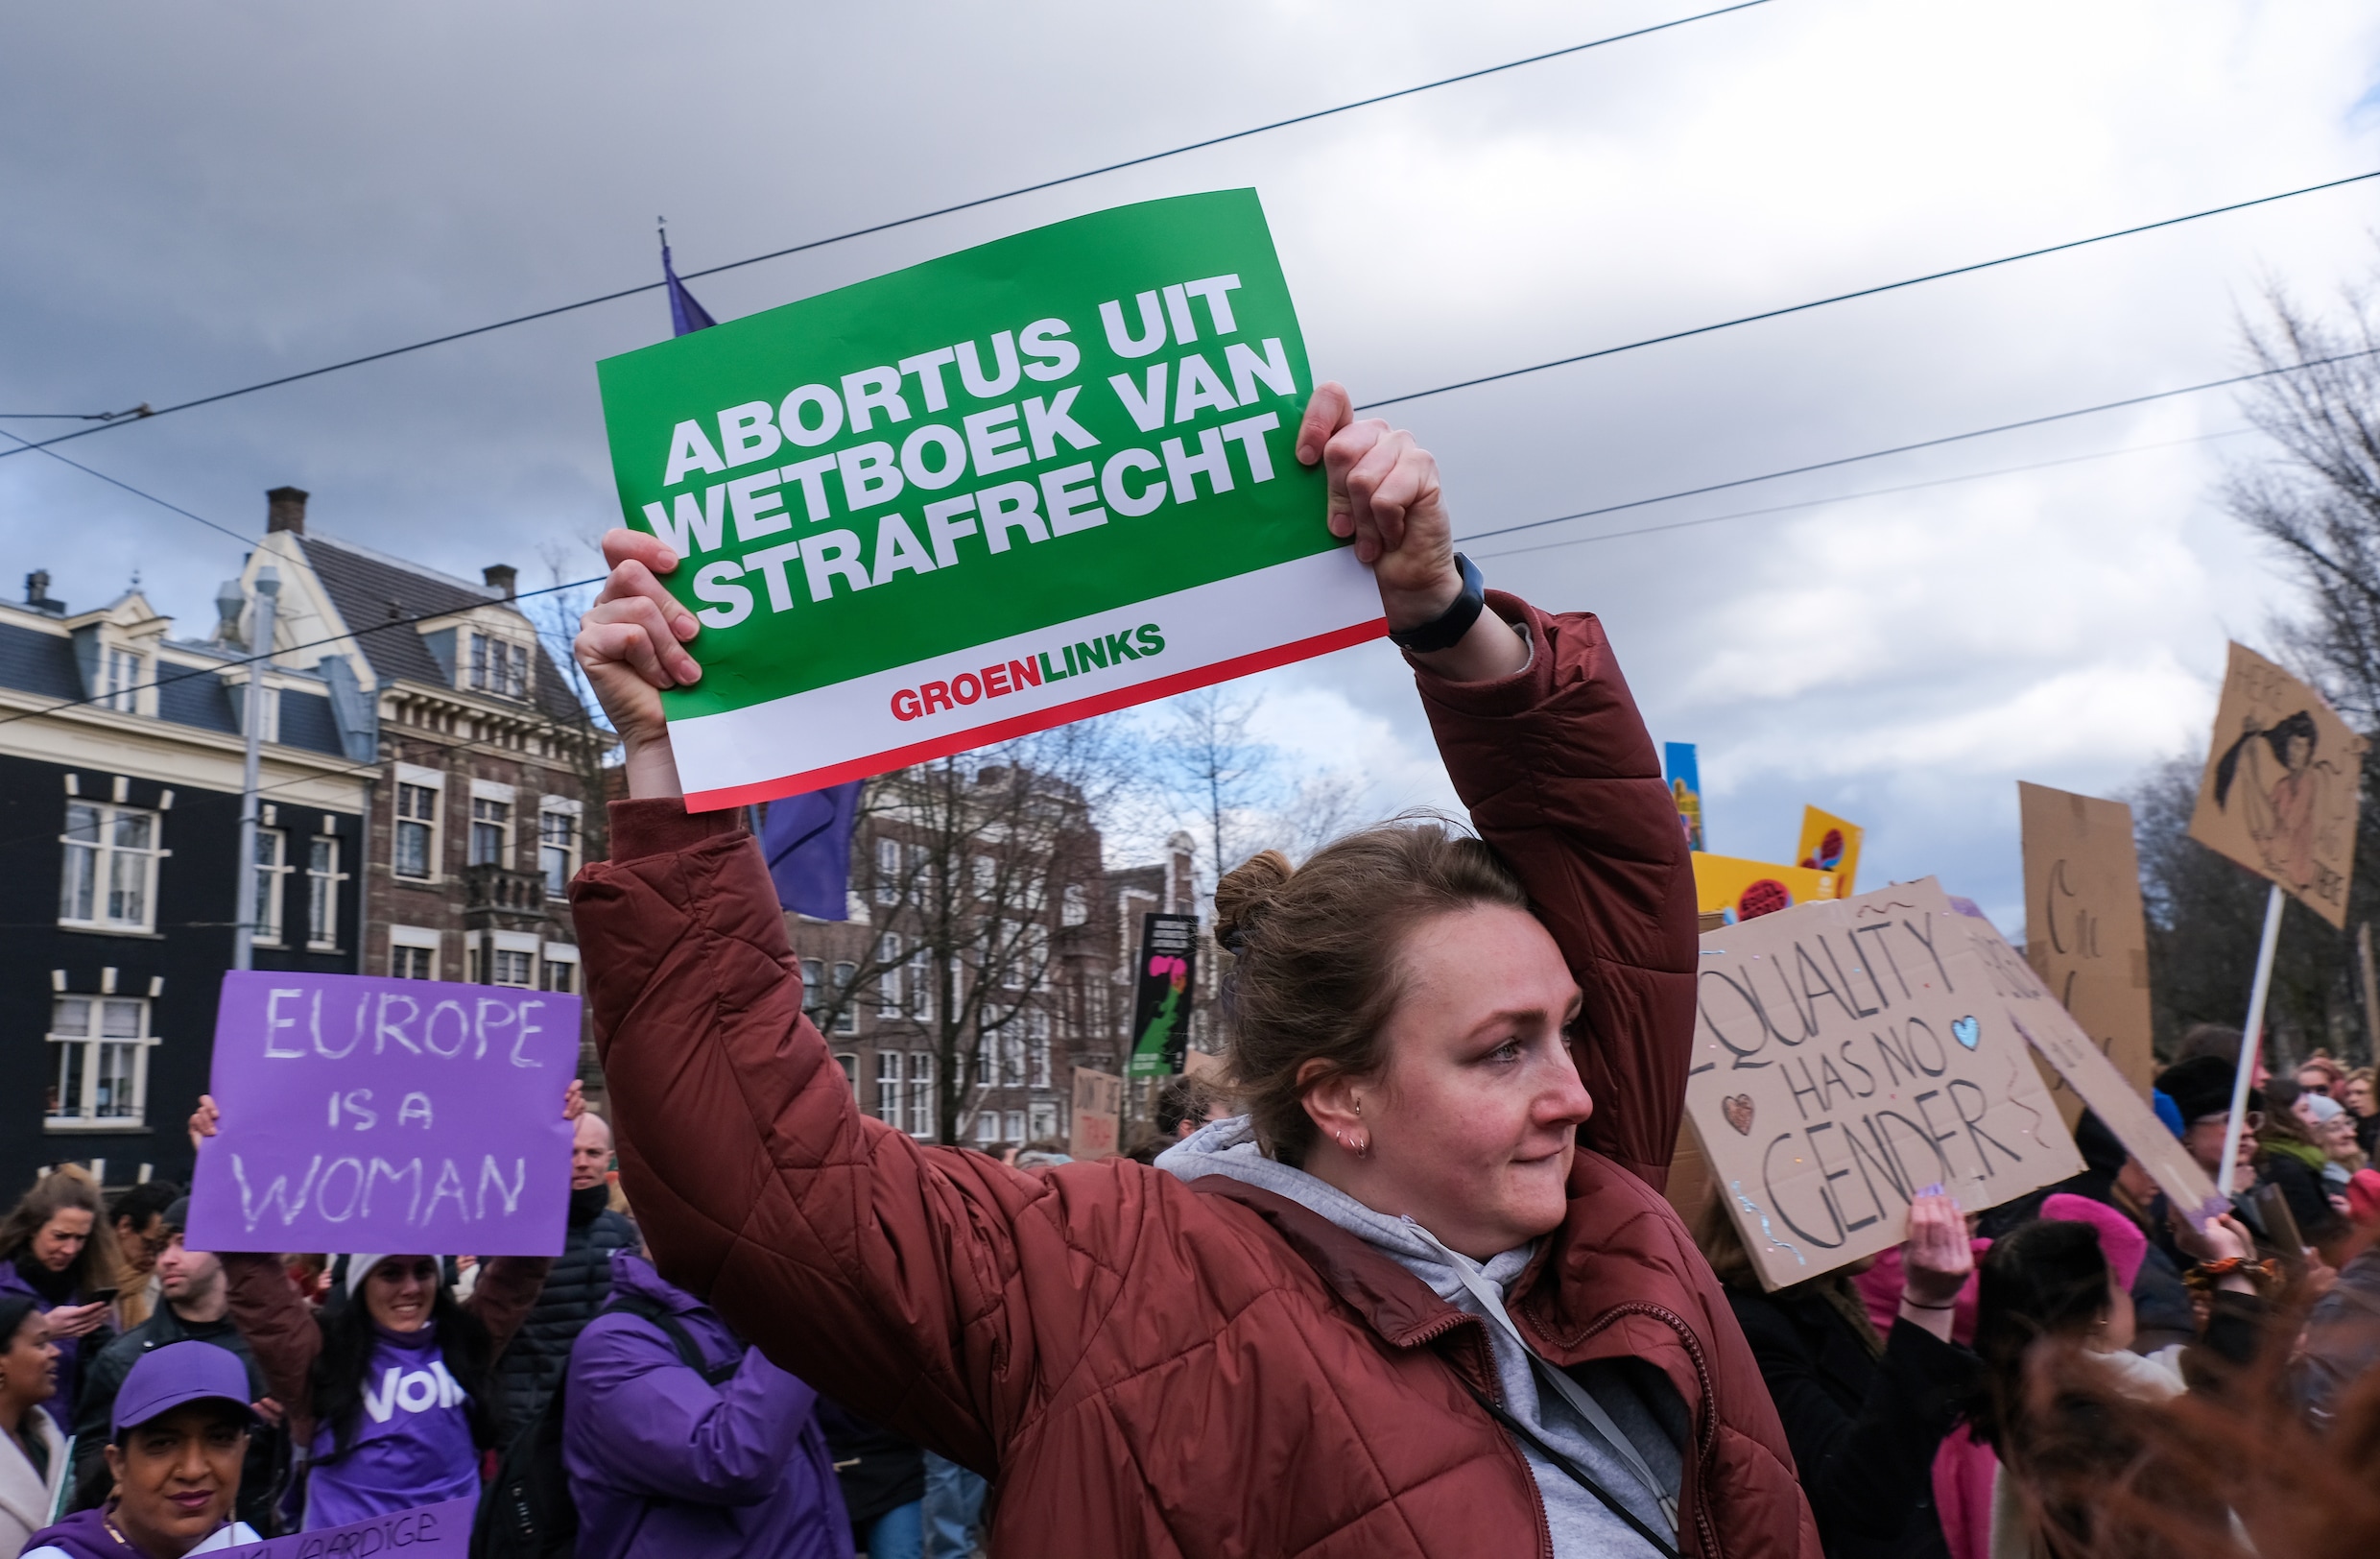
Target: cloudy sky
{"type": "Point", "coordinates": [198, 196]}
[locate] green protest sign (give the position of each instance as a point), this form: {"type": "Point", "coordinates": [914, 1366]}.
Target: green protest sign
{"type": "Point", "coordinates": [1020, 484]}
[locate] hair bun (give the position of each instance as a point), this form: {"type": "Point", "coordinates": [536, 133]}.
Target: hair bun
{"type": "Point", "coordinates": [1245, 892]}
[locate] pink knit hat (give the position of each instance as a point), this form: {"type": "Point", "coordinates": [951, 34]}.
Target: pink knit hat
{"type": "Point", "coordinates": [2120, 1238]}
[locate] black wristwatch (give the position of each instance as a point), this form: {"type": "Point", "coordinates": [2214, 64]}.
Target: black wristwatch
{"type": "Point", "coordinates": [1447, 630]}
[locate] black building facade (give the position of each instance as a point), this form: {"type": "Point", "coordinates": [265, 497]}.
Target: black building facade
{"type": "Point", "coordinates": [120, 867]}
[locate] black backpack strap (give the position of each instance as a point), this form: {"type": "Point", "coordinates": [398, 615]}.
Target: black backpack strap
{"type": "Point", "coordinates": [689, 1352]}
{"type": "Point", "coordinates": [1578, 1475]}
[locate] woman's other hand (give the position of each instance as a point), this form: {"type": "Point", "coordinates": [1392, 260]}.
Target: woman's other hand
{"type": "Point", "coordinates": [1937, 1260]}
{"type": "Point", "coordinates": [77, 1320]}
{"type": "Point", "coordinates": [203, 1120]}
{"type": "Point", "coordinates": [574, 1100]}
{"type": "Point", "coordinates": [632, 644]}
{"type": "Point", "coordinates": [1384, 495]}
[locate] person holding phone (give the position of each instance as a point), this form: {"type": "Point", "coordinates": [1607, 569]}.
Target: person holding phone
{"type": "Point", "coordinates": [56, 1245]}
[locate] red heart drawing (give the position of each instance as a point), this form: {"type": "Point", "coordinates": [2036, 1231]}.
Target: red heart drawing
{"type": "Point", "coordinates": [1738, 1109]}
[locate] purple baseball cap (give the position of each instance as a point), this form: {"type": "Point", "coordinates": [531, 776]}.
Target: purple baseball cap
{"type": "Point", "coordinates": [178, 1373]}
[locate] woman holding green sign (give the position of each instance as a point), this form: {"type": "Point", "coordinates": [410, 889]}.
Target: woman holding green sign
{"type": "Point", "coordinates": [1424, 1298]}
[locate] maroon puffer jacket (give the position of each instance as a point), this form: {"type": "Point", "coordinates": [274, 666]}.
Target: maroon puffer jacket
{"type": "Point", "coordinates": [1153, 1367]}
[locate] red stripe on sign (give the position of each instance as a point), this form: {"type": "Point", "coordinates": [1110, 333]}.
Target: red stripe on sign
{"type": "Point", "coordinates": [1025, 725]}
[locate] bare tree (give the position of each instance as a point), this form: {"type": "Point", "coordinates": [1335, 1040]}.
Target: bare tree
{"type": "Point", "coordinates": [979, 874]}
{"type": "Point", "coordinates": [557, 616]}
{"type": "Point", "coordinates": [2317, 501]}
{"type": "Point", "coordinates": [1217, 773]}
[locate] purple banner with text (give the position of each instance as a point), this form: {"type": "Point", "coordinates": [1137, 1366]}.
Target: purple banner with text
{"type": "Point", "coordinates": [440, 1531]}
{"type": "Point", "coordinates": [366, 1115]}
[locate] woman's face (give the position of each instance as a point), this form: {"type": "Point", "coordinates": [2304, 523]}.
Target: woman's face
{"type": "Point", "coordinates": [2300, 753]}
{"type": "Point", "coordinates": [402, 1290]}
{"type": "Point", "coordinates": [28, 1367]}
{"type": "Point", "coordinates": [1474, 1122]}
{"type": "Point", "coordinates": [178, 1474]}
{"type": "Point", "coordinates": [57, 1242]}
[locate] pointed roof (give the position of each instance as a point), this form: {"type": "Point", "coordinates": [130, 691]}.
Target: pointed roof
{"type": "Point", "coordinates": [370, 588]}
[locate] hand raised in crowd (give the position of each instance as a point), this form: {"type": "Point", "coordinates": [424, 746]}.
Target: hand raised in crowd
{"type": "Point", "coordinates": [203, 1120]}
{"type": "Point", "coordinates": [1935, 1260]}
{"type": "Point", "coordinates": [574, 1100]}
{"type": "Point", "coordinates": [632, 644]}
{"type": "Point", "coordinates": [1383, 491]}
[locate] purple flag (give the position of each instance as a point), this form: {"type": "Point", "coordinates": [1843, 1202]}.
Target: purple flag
{"type": "Point", "coordinates": [362, 1114]}
{"type": "Point", "coordinates": [685, 314]}
{"type": "Point", "coordinates": [808, 842]}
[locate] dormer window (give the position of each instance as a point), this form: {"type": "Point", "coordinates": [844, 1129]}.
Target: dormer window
{"type": "Point", "coordinates": [119, 680]}
{"type": "Point", "coordinates": [499, 666]}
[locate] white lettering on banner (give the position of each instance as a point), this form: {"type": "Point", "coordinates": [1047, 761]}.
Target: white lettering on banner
{"type": "Point", "coordinates": [277, 1199]}
{"type": "Point", "coordinates": [413, 1391]}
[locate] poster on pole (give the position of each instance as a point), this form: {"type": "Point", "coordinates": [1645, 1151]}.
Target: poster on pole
{"type": "Point", "coordinates": [1098, 1113]}
{"type": "Point", "coordinates": [1847, 1055]}
{"type": "Point", "coordinates": [1164, 985]}
{"type": "Point", "coordinates": [1684, 769]}
{"type": "Point", "coordinates": [2085, 934]}
{"type": "Point", "coordinates": [362, 1114]}
{"type": "Point", "coordinates": [1829, 844]}
{"type": "Point", "coordinates": [2080, 1062]}
{"type": "Point", "coordinates": [1024, 484]}
{"type": "Point", "coordinates": [2282, 785]}
{"type": "Point", "coordinates": [1744, 890]}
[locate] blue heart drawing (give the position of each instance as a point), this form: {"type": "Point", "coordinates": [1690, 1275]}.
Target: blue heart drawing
{"type": "Point", "coordinates": [1966, 1031]}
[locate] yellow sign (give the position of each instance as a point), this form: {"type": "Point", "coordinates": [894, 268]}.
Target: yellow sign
{"type": "Point", "coordinates": [1746, 890]}
{"type": "Point", "coordinates": [1828, 844]}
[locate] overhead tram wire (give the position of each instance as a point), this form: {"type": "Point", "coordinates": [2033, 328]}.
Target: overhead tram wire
{"type": "Point", "coordinates": [1834, 498]}
{"type": "Point", "coordinates": [907, 221]}
{"type": "Point", "coordinates": [1896, 449]}
{"type": "Point", "coordinates": [1863, 292]}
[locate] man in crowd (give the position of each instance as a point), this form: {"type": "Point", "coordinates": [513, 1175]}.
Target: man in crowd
{"type": "Point", "coordinates": [525, 1373]}
{"type": "Point", "coordinates": [139, 1220]}
{"type": "Point", "coordinates": [195, 1307]}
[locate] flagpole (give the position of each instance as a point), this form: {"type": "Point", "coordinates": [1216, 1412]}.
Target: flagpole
{"type": "Point", "coordinates": [2250, 1038]}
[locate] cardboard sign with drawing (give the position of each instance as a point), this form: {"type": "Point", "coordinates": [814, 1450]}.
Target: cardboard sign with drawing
{"type": "Point", "coordinates": [2282, 785]}
{"type": "Point", "coordinates": [1849, 1054]}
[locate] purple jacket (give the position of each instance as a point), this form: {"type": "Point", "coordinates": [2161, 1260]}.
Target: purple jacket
{"type": "Point", "coordinates": [664, 1465]}
{"type": "Point", "coordinates": [70, 1350]}
{"type": "Point", "coordinates": [412, 1440]}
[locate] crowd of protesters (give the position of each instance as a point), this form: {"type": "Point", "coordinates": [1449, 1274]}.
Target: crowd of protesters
{"type": "Point", "coordinates": [1400, 1279]}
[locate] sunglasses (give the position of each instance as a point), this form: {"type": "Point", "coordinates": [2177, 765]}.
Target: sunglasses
{"type": "Point", "coordinates": [2254, 1121]}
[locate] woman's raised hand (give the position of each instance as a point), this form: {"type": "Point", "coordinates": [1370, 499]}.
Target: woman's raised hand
{"type": "Point", "coordinates": [203, 1121]}
{"type": "Point", "coordinates": [1384, 492]}
{"type": "Point", "coordinates": [632, 644]}
{"type": "Point", "coordinates": [1939, 1258]}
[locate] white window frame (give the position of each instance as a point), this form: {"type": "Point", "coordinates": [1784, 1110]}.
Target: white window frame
{"type": "Point", "coordinates": [323, 891]}
{"type": "Point", "coordinates": [1016, 1128]}
{"type": "Point", "coordinates": [501, 823]}
{"type": "Point", "coordinates": [888, 870]}
{"type": "Point", "coordinates": [494, 664]}
{"type": "Point", "coordinates": [515, 951]}
{"type": "Point", "coordinates": [109, 862]}
{"type": "Point", "coordinates": [920, 985]}
{"type": "Point", "coordinates": [272, 868]}
{"type": "Point", "coordinates": [922, 1111]}
{"type": "Point", "coordinates": [986, 1127]}
{"type": "Point", "coordinates": [558, 955]}
{"type": "Point", "coordinates": [844, 974]}
{"type": "Point", "coordinates": [559, 807]}
{"type": "Point", "coordinates": [1076, 909]}
{"type": "Point", "coordinates": [95, 1044]}
{"type": "Point", "coordinates": [434, 826]}
{"type": "Point", "coordinates": [889, 1093]}
{"type": "Point", "coordinates": [120, 678]}
{"type": "Point", "coordinates": [1041, 1119]}
{"type": "Point", "coordinates": [415, 938]}
{"type": "Point", "coordinates": [888, 969]}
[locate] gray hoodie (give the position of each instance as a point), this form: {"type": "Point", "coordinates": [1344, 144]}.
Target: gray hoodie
{"type": "Point", "coordinates": [1641, 1404]}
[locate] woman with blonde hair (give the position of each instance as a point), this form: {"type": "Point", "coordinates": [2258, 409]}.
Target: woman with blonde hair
{"type": "Point", "coordinates": [1424, 1298]}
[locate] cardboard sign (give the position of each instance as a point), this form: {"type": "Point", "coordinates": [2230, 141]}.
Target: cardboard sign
{"type": "Point", "coordinates": [2085, 934]}
{"type": "Point", "coordinates": [1098, 1113]}
{"type": "Point", "coordinates": [1685, 788]}
{"type": "Point", "coordinates": [1164, 987]}
{"type": "Point", "coordinates": [1021, 484]}
{"type": "Point", "coordinates": [440, 1531]}
{"type": "Point", "coordinates": [1849, 1054]}
{"type": "Point", "coordinates": [2283, 785]}
{"type": "Point", "coordinates": [1829, 844]}
{"type": "Point", "coordinates": [362, 1114]}
{"type": "Point", "coordinates": [1746, 890]}
{"type": "Point", "coordinates": [2091, 1077]}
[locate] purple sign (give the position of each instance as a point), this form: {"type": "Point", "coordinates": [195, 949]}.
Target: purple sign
{"type": "Point", "coordinates": [364, 1115]}
{"type": "Point", "coordinates": [430, 1532]}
